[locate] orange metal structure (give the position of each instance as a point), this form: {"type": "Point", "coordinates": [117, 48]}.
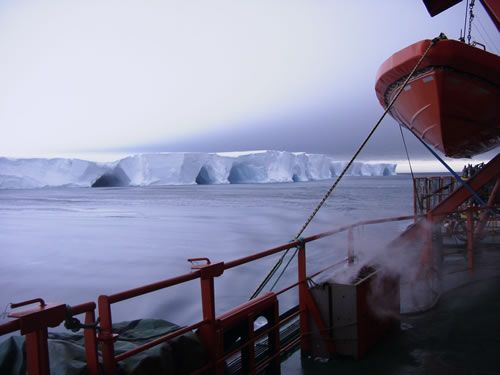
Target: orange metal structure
{"type": "Point", "coordinates": [452, 100]}
{"type": "Point", "coordinates": [435, 215]}
{"type": "Point", "coordinates": [434, 7]}
{"type": "Point", "coordinates": [214, 331]}
{"type": "Point", "coordinates": [33, 324]}
{"type": "Point", "coordinates": [451, 103]}
{"type": "Point", "coordinates": [428, 192]}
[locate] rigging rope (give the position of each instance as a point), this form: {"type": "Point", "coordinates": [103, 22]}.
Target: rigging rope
{"type": "Point", "coordinates": [474, 194]}
{"type": "Point", "coordinates": [419, 201]}
{"type": "Point", "coordinates": [348, 165]}
{"type": "Point", "coordinates": [462, 37]}
{"type": "Point", "coordinates": [491, 41]}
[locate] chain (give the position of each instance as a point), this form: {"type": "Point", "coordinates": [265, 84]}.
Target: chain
{"type": "Point", "coordinates": [471, 17]}
{"type": "Point", "coordinates": [73, 324]}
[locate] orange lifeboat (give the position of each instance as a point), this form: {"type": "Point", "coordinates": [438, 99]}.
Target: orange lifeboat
{"type": "Point", "coordinates": [453, 100]}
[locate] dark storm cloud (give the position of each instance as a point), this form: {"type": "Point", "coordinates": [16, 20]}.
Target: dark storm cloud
{"type": "Point", "coordinates": [329, 132]}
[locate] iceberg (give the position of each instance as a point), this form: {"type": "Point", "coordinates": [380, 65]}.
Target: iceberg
{"type": "Point", "coordinates": [162, 169]}
{"type": "Point", "coordinates": [266, 167]}
{"type": "Point", "coordinates": [182, 168]}
{"type": "Point", "coordinates": [36, 173]}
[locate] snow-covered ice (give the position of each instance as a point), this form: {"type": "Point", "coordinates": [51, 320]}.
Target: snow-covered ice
{"type": "Point", "coordinates": [34, 173]}
{"type": "Point", "coordinates": [181, 169]}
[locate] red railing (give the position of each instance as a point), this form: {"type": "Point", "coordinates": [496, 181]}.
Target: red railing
{"type": "Point", "coordinates": [34, 323]}
{"type": "Point", "coordinates": [211, 328]}
{"type": "Point", "coordinates": [208, 326]}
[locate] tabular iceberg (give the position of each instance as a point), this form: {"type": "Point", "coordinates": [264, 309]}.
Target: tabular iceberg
{"type": "Point", "coordinates": [35, 173]}
{"type": "Point", "coordinates": [181, 169]}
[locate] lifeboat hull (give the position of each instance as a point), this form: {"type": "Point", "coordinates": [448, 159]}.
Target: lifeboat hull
{"type": "Point", "coordinates": [453, 100]}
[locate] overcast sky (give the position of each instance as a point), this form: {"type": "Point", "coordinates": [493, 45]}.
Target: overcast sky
{"type": "Point", "coordinates": [133, 76]}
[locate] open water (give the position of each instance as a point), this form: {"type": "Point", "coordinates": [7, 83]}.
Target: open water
{"type": "Point", "coordinates": [72, 244]}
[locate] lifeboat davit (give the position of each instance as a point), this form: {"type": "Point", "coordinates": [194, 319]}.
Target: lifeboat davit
{"type": "Point", "coordinates": [453, 100]}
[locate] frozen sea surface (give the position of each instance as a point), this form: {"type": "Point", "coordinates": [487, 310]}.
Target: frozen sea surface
{"type": "Point", "coordinates": [72, 244]}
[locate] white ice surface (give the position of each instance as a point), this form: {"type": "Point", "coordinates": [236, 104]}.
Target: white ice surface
{"type": "Point", "coordinates": [181, 169]}
{"type": "Point", "coordinates": [35, 173]}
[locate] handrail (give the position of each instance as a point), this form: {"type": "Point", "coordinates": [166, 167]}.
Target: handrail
{"type": "Point", "coordinates": [131, 293]}
{"type": "Point", "coordinates": [9, 327]}
{"type": "Point", "coordinates": [358, 224]}
{"type": "Point", "coordinates": [82, 308]}
{"type": "Point", "coordinates": [286, 289]}
{"type": "Point", "coordinates": [139, 291]}
{"type": "Point", "coordinates": [159, 340]}
{"type": "Point", "coordinates": [14, 325]}
{"type": "Point", "coordinates": [37, 354]}
{"type": "Point", "coordinates": [291, 245]}
{"type": "Point", "coordinates": [107, 300]}
{"type": "Point", "coordinates": [135, 292]}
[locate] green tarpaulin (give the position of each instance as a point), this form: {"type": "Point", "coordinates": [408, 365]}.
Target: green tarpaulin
{"type": "Point", "coordinates": [67, 353]}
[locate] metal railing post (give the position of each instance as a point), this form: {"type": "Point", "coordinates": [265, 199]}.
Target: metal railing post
{"type": "Point", "coordinates": [208, 332]}
{"type": "Point", "coordinates": [33, 324]}
{"type": "Point", "coordinates": [274, 340]}
{"type": "Point", "coordinates": [470, 239]}
{"type": "Point", "coordinates": [415, 207]}
{"type": "Point", "coordinates": [428, 244]}
{"type": "Point", "coordinates": [248, 352]}
{"type": "Point", "coordinates": [91, 344]}
{"type": "Point", "coordinates": [106, 336]}
{"type": "Point", "coordinates": [37, 352]}
{"type": "Point", "coordinates": [304, 321]}
{"type": "Point", "coordinates": [350, 246]}
{"type": "Point", "coordinates": [483, 217]}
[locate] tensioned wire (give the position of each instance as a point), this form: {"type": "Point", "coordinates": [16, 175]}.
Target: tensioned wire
{"type": "Point", "coordinates": [419, 201]}
{"type": "Point", "coordinates": [276, 266]}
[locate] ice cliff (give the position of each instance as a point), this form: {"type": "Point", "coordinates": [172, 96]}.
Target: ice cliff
{"type": "Point", "coordinates": [180, 169]}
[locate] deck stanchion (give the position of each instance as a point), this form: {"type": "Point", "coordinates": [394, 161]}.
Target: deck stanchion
{"type": "Point", "coordinates": [37, 352]}
{"type": "Point", "coordinates": [483, 217]}
{"type": "Point", "coordinates": [106, 336]}
{"type": "Point", "coordinates": [248, 353]}
{"type": "Point", "coordinates": [208, 332]}
{"type": "Point", "coordinates": [274, 340]}
{"type": "Point", "coordinates": [91, 344]}
{"type": "Point", "coordinates": [350, 246]}
{"type": "Point", "coordinates": [415, 192]}
{"type": "Point", "coordinates": [470, 240]}
{"type": "Point", "coordinates": [427, 251]}
{"type": "Point", "coordinates": [214, 330]}
{"type": "Point", "coordinates": [308, 307]}
{"type": "Point", "coordinates": [304, 322]}
{"type": "Point", "coordinates": [33, 324]}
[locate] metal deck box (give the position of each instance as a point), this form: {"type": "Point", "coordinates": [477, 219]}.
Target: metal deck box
{"type": "Point", "coordinates": [357, 314]}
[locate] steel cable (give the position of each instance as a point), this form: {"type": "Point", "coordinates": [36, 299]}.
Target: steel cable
{"type": "Point", "coordinates": [344, 171]}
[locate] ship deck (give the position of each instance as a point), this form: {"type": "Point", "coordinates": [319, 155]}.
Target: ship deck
{"type": "Point", "coordinates": [459, 335]}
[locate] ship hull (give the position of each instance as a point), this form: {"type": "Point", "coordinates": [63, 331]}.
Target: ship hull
{"type": "Point", "coordinates": [452, 102]}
